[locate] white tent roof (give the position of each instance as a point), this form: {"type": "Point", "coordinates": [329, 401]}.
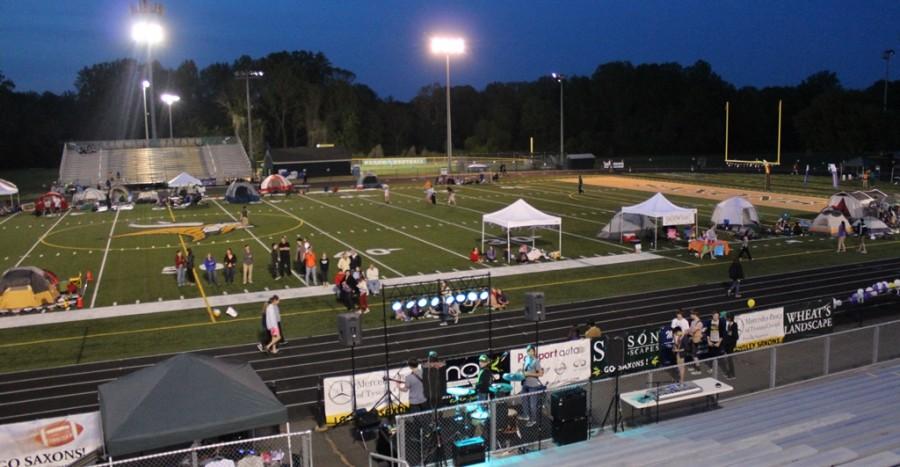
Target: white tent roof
{"type": "Point", "coordinates": [657, 206]}
{"type": "Point", "coordinates": [184, 179]}
{"type": "Point", "coordinates": [8, 188]}
{"type": "Point", "coordinates": [520, 214]}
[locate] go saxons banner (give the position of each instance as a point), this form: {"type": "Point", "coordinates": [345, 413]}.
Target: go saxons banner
{"type": "Point", "coordinates": [50, 441]}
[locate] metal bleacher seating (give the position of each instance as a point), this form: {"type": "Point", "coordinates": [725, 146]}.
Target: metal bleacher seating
{"type": "Point", "coordinates": [850, 419]}
{"type": "Point", "coordinates": [90, 163]}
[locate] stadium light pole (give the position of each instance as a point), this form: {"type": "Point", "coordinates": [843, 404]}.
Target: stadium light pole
{"type": "Point", "coordinates": [562, 140]}
{"type": "Point", "coordinates": [247, 76]}
{"type": "Point", "coordinates": [147, 30]}
{"type": "Point", "coordinates": [447, 46]}
{"type": "Point", "coordinates": [886, 56]}
{"type": "Point", "coordinates": [170, 99]}
{"type": "Point", "coordinates": [144, 85]}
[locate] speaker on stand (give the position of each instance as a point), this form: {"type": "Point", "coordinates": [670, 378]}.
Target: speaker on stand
{"type": "Point", "coordinates": [350, 334]}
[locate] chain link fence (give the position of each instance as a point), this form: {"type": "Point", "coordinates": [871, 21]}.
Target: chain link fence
{"type": "Point", "coordinates": [283, 450]}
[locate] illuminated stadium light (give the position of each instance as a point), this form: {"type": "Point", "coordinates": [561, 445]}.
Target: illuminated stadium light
{"type": "Point", "coordinates": [397, 306]}
{"type": "Point", "coordinates": [460, 297]}
{"type": "Point", "coordinates": [435, 301]}
{"type": "Point", "coordinates": [145, 84]}
{"type": "Point", "coordinates": [169, 98]}
{"type": "Point", "coordinates": [472, 296]}
{"type": "Point", "coordinates": [147, 32]}
{"type": "Point", "coordinates": [484, 295]}
{"type": "Point", "coordinates": [448, 45]}
{"type": "Point", "coordinates": [423, 302]}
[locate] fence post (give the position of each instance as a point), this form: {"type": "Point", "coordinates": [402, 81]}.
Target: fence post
{"type": "Point", "coordinates": [290, 451]}
{"type": "Point", "coordinates": [826, 358]}
{"type": "Point", "coordinates": [875, 338]}
{"type": "Point", "coordinates": [716, 368]}
{"type": "Point", "coordinates": [110, 461]}
{"type": "Point", "coordinates": [773, 364]}
{"type": "Point", "coordinates": [493, 407]}
{"type": "Point", "coordinates": [401, 438]}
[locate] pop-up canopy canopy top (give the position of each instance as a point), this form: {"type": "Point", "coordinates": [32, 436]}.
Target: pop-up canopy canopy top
{"type": "Point", "coordinates": [659, 207]}
{"type": "Point", "coordinates": [517, 215]}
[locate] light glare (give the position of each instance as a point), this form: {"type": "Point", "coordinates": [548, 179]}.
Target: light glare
{"type": "Point", "coordinates": [448, 45]}
{"type": "Point", "coordinates": [145, 84]}
{"type": "Point", "coordinates": [146, 32]}
{"type": "Point", "coordinates": [170, 98]}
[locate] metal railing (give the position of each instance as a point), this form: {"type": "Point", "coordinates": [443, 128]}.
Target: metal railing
{"type": "Point", "coordinates": [286, 449]}
{"type": "Point", "coordinates": [421, 435]}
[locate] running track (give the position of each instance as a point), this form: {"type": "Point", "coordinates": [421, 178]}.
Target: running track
{"type": "Point", "coordinates": [297, 370]}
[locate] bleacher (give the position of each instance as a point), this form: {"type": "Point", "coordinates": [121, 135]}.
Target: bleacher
{"type": "Point", "coordinates": [92, 162]}
{"type": "Point", "coordinates": [852, 419]}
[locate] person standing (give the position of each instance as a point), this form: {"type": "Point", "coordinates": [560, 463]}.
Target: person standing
{"type": "Point", "coordinates": [373, 277]}
{"type": "Point", "coordinates": [714, 331]}
{"type": "Point", "coordinates": [678, 351]}
{"type": "Point", "coordinates": [580, 185]}
{"type": "Point", "coordinates": [745, 246]}
{"type": "Point", "coordinates": [842, 237]}
{"type": "Point", "coordinates": [300, 258]}
{"type": "Point", "coordinates": [271, 326]}
{"type": "Point", "coordinates": [415, 385]}
{"type": "Point", "coordinates": [355, 261]}
{"type": "Point", "coordinates": [484, 378]}
{"type": "Point", "coordinates": [245, 217]}
{"type": "Point", "coordinates": [697, 333]}
{"type": "Point", "coordinates": [323, 269]}
{"type": "Point", "coordinates": [736, 273]}
{"type": "Point", "coordinates": [247, 264]}
{"type": "Point", "coordinates": [284, 258]}
{"type": "Point", "coordinates": [189, 266]}
{"type": "Point", "coordinates": [861, 231]}
{"type": "Point", "coordinates": [274, 257]}
{"type": "Point", "coordinates": [451, 196]}
{"type": "Point", "coordinates": [768, 169]}
{"type": "Point", "coordinates": [730, 337]}
{"type": "Point", "coordinates": [680, 322]}
{"type": "Point", "coordinates": [230, 263]}
{"type": "Point", "coordinates": [343, 263]}
{"type": "Point", "coordinates": [210, 266]}
{"type": "Point", "coordinates": [387, 193]}
{"type": "Point", "coordinates": [363, 289]}
{"type": "Point", "coordinates": [310, 261]}
{"type": "Point", "coordinates": [533, 372]}
{"type": "Point", "coordinates": [180, 266]}
{"type": "Point", "coordinates": [806, 175]}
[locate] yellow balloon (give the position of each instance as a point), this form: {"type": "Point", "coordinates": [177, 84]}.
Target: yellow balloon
{"type": "Point", "coordinates": [751, 303]}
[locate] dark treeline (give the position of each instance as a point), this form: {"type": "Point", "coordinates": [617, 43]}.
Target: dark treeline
{"type": "Point", "coordinates": [303, 99]}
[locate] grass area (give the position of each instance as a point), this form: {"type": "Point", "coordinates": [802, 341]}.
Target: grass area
{"type": "Point", "coordinates": [405, 238]}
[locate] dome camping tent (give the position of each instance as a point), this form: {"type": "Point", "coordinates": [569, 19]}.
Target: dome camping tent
{"type": "Point", "coordinates": [119, 194]}
{"type": "Point", "coordinates": [736, 211]}
{"type": "Point", "coordinates": [622, 224]}
{"type": "Point", "coordinates": [88, 196]}
{"type": "Point", "coordinates": [828, 221]}
{"type": "Point", "coordinates": [46, 201]}
{"type": "Point", "coordinates": [847, 204]}
{"type": "Point", "coordinates": [27, 287]}
{"type": "Point", "coordinates": [241, 192]}
{"type": "Point", "coordinates": [275, 184]}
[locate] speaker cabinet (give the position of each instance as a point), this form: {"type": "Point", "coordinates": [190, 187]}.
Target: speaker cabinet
{"type": "Point", "coordinates": [568, 404]}
{"type": "Point", "coordinates": [569, 431]}
{"type": "Point", "coordinates": [349, 329]}
{"type": "Point", "coordinates": [468, 451]}
{"type": "Point", "coordinates": [534, 306]}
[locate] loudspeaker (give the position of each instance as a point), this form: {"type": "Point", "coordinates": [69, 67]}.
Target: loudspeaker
{"type": "Point", "coordinates": [349, 330]}
{"type": "Point", "coordinates": [570, 431]}
{"type": "Point", "coordinates": [365, 425]}
{"type": "Point", "coordinates": [468, 451]}
{"type": "Point", "coordinates": [568, 404]}
{"type": "Point", "coordinates": [534, 306]}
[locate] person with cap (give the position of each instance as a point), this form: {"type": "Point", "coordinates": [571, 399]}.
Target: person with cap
{"type": "Point", "coordinates": [414, 384]}
{"type": "Point", "coordinates": [435, 378]}
{"type": "Point", "coordinates": [484, 378]}
{"type": "Point", "coordinates": [533, 372]}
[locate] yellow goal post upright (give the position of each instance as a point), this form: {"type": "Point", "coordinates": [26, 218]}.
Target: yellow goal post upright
{"type": "Point", "coordinates": [728, 161]}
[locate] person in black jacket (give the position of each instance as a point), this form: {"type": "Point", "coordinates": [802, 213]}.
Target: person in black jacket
{"type": "Point", "coordinates": [730, 335]}
{"type": "Point", "coordinates": [484, 379]}
{"type": "Point", "coordinates": [736, 273]}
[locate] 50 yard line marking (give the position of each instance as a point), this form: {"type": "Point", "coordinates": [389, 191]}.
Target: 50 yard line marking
{"type": "Point", "coordinates": [103, 261]}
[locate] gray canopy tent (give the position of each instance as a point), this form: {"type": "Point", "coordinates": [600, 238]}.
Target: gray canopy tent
{"type": "Point", "coordinates": [185, 398]}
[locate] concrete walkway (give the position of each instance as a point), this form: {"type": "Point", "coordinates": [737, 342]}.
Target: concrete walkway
{"type": "Point", "coordinates": [304, 292]}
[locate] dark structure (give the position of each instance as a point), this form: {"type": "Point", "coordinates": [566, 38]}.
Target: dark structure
{"type": "Point", "coordinates": [580, 161]}
{"type": "Point", "coordinates": [318, 162]}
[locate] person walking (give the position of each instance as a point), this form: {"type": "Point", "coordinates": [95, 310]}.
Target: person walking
{"type": "Point", "coordinates": [745, 245]}
{"type": "Point", "coordinates": [210, 266]}
{"type": "Point", "coordinates": [180, 267]}
{"type": "Point", "coordinates": [247, 265]}
{"type": "Point", "coordinates": [284, 258]}
{"type": "Point", "coordinates": [861, 231]}
{"type": "Point", "coordinates": [271, 321]}
{"type": "Point", "coordinates": [323, 268]}
{"type": "Point", "coordinates": [730, 336]}
{"type": "Point", "coordinates": [309, 260]}
{"type": "Point", "coordinates": [842, 237]}
{"type": "Point", "coordinates": [736, 273]}
{"type": "Point", "coordinates": [230, 263]}
{"type": "Point", "coordinates": [451, 196]}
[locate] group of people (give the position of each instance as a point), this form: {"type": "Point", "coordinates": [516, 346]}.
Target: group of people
{"type": "Point", "coordinates": [861, 232]}
{"type": "Point", "coordinates": [353, 284]}
{"type": "Point", "coordinates": [184, 267]}
{"type": "Point", "coordinates": [784, 227]}
{"type": "Point", "coordinates": [686, 342]}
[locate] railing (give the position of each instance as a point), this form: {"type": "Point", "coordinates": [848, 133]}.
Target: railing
{"type": "Point", "coordinates": [287, 449]}
{"type": "Point", "coordinates": [747, 372]}
{"type": "Point", "coordinates": [374, 459]}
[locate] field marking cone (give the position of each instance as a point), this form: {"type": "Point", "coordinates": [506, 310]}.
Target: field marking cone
{"type": "Point", "coordinates": [89, 276]}
{"type": "Point", "coordinates": [79, 302]}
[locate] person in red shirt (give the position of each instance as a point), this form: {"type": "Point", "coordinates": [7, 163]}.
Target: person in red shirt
{"type": "Point", "coordinates": [475, 255]}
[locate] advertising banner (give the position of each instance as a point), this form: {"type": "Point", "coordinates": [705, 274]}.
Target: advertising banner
{"type": "Point", "coordinates": [681, 218]}
{"type": "Point", "coordinates": [641, 347]}
{"type": "Point", "coordinates": [564, 363]}
{"type": "Point", "coordinates": [50, 441]}
{"type": "Point", "coordinates": [760, 328]}
{"type": "Point", "coordinates": [463, 371]}
{"type": "Point", "coordinates": [401, 161]}
{"type": "Point", "coordinates": [808, 319]}
{"type": "Point", "coordinates": [370, 387]}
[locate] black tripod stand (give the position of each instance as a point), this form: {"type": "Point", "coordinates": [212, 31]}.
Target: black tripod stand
{"type": "Point", "coordinates": [389, 399]}
{"type": "Point", "coordinates": [352, 415]}
{"type": "Point", "coordinates": [615, 405]}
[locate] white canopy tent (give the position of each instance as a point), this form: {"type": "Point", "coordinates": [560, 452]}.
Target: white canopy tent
{"type": "Point", "coordinates": [8, 188]}
{"type": "Point", "coordinates": [517, 215]}
{"type": "Point", "coordinates": [659, 207]}
{"type": "Point", "coordinates": [184, 179]}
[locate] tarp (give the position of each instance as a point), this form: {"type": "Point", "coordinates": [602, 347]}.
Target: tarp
{"type": "Point", "coordinates": [89, 195]}
{"type": "Point", "coordinates": [184, 179]}
{"type": "Point", "coordinates": [736, 211]}
{"type": "Point", "coordinates": [828, 221]}
{"type": "Point", "coordinates": [8, 188]}
{"type": "Point", "coordinates": [274, 184]}
{"type": "Point", "coordinates": [625, 223]}
{"type": "Point", "coordinates": [520, 214]}
{"type": "Point", "coordinates": [241, 192]}
{"type": "Point", "coordinates": [853, 206]}
{"type": "Point", "coordinates": [185, 398]}
{"type": "Point", "coordinates": [27, 287]}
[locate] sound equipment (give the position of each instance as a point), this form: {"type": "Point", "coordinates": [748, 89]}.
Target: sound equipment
{"type": "Point", "coordinates": [349, 329]}
{"type": "Point", "coordinates": [468, 451]}
{"type": "Point", "coordinates": [534, 306]}
{"type": "Point", "coordinates": [568, 404]}
{"type": "Point", "coordinates": [366, 424]}
{"type": "Point", "coordinates": [569, 431]}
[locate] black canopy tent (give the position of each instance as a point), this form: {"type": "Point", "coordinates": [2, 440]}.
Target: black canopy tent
{"type": "Point", "coordinates": [185, 398]}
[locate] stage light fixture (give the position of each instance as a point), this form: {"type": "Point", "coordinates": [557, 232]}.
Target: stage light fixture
{"type": "Point", "coordinates": [460, 297]}
{"type": "Point", "coordinates": [435, 301]}
{"type": "Point", "coordinates": [484, 295]}
{"type": "Point", "coordinates": [397, 306]}
{"type": "Point", "coordinates": [472, 296]}
{"type": "Point", "coordinates": [449, 300]}
{"type": "Point", "coordinates": [422, 302]}
{"type": "Point", "coordinates": [410, 304]}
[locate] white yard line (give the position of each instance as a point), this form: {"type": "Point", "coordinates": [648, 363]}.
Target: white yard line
{"type": "Point", "coordinates": [103, 261]}
{"type": "Point", "coordinates": [513, 194]}
{"type": "Point", "coordinates": [39, 240]}
{"type": "Point", "coordinates": [265, 247]}
{"type": "Point", "coordinates": [435, 245]}
{"type": "Point", "coordinates": [347, 245]}
{"type": "Point", "coordinates": [10, 217]}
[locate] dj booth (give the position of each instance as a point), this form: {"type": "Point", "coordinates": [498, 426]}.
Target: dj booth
{"type": "Point", "coordinates": [644, 400]}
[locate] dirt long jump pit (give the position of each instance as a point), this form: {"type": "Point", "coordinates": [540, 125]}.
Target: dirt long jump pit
{"type": "Point", "coordinates": [758, 198]}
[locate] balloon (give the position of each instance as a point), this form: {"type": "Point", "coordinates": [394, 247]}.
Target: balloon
{"type": "Point", "coordinates": [751, 303]}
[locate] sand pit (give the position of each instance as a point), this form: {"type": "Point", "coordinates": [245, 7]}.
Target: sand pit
{"type": "Point", "coordinates": [758, 198]}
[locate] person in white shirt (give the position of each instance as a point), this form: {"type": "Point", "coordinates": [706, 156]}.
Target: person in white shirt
{"type": "Point", "coordinates": [680, 322]}
{"type": "Point", "coordinates": [272, 324]}
{"type": "Point", "coordinates": [373, 278]}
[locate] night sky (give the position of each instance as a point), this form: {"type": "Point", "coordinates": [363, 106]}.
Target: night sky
{"type": "Point", "coordinates": [385, 42]}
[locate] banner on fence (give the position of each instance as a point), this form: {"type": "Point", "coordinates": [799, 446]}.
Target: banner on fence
{"type": "Point", "coordinates": [370, 389]}
{"type": "Point", "coordinates": [808, 319]}
{"type": "Point", "coordinates": [760, 328]}
{"type": "Point", "coordinates": [641, 347]}
{"type": "Point", "coordinates": [463, 371]}
{"type": "Point", "coordinates": [401, 161]}
{"type": "Point", "coordinates": [564, 363]}
{"type": "Point", "coordinates": [50, 441]}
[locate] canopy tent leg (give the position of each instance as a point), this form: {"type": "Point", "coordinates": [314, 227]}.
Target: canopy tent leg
{"type": "Point", "coordinates": [655, 232]}
{"type": "Point", "coordinates": [532, 238]}
{"type": "Point", "coordinates": [508, 250]}
{"type": "Point", "coordinates": [560, 240]}
{"type": "Point", "coordinates": [482, 236]}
